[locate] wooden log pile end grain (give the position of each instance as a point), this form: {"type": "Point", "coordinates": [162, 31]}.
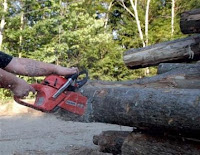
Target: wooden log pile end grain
{"type": "Point", "coordinates": [110, 141]}
{"type": "Point", "coordinates": [190, 22]}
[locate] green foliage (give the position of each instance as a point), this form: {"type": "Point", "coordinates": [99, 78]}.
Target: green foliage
{"type": "Point", "coordinates": [73, 33]}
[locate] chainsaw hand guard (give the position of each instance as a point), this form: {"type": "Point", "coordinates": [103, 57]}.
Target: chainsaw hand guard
{"type": "Point", "coordinates": [79, 83]}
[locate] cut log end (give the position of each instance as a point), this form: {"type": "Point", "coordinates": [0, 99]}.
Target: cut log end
{"type": "Point", "coordinates": [110, 141]}
{"type": "Point", "coordinates": [190, 22]}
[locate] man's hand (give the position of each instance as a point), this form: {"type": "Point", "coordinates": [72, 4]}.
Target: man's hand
{"type": "Point", "coordinates": [66, 71]}
{"type": "Point", "coordinates": [21, 88]}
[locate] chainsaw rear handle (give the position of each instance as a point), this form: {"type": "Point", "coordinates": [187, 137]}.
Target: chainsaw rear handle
{"type": "Point", "coordinates": [79, 82]}
{"type": "Point", "coordinates": [37, 87]}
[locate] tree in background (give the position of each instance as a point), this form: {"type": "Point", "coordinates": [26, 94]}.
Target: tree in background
{"type": "Point", "coordinates": [90, 34]}
{"type": "Point", "coordinates": [3, 22]}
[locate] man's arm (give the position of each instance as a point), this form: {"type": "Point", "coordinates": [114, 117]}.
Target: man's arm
{"type": "Point", "coordinates": [18, 86]}
{"type": "Point", "coordinates": [29, 67]}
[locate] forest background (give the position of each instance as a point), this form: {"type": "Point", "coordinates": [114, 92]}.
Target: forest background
{"type": "Point", "coordinates": [89, 34]}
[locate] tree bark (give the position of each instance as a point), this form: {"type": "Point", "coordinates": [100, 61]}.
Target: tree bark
{"type": "Point", "coordinates": [107, 15]}
{"type": "Point", "coordinates": [147, 22]}
{"type": "Point", "coordinates": [189, 80]}
{"type": "Point", "coordinates": [148, 108]}
{"type": "Point", "coordinates": [181, 50]}
{"type": "Point", "coordinates": [110, 141]}
{"type": "Point", "coordinates": [166, 67]}
{"type": "Point", "coordinates": [168, 101]}
{"type": "Point", "coordinates": [134, 6]}
{"type": "Point", "coordinates": [21, 29]}
{"type": "Point", "coordinates": [184, 77]}
{"type": "Point", "coordinates": [142, 144]}
{"type": "Point", "coordinates": [172, 17]}
{"type": "Point", "coordinates": [190, 22]}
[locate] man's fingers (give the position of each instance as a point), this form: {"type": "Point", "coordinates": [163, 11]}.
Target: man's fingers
{"type": "Point", "coordinates": [76, 70]}
{"type": "Point", "coordinates": [32, 90]}
{"type": "Point", "coordinates": [25, 93]}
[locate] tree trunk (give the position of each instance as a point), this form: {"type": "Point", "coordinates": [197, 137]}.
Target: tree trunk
{"type": "Point", "coordinates": [170, 79]}
{"type": "Point", "coordinates": [181, 50]}
{"type": "Point", "coordinates": [3, 22]}
{"type": "Point", "coordinates": [153, 103]}
{"type": "Point", "coordinates": [142, 144]}
{"type": "Point", "coordinates": [110, 141]}
{"type": "Point", "coordinates": [107, 15]}
{"type": "Point", "coordinates": [166, 67]}
{"type": "Point", "coordinates": [21, 29]}
{"type": "Point", "coordinates": [147, 22]}
{"type": "Point", "coordinates": [148, 108]}
{"type": "Point", "coordinates": [190, 21]}
{"type": "Point", "coordinates": [134, 6]}
{"type": "Point", "coordinates": [172, 17]}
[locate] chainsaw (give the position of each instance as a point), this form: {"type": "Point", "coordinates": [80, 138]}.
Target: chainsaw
{"type": "Point", "coordinates": [56, 92]}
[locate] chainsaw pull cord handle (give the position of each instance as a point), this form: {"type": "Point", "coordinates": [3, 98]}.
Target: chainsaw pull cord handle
{"type": "Point", "coordinates": [70, 80]}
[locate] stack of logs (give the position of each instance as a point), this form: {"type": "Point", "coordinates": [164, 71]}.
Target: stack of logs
{"type": "Point", "coordinates": [163, 110]}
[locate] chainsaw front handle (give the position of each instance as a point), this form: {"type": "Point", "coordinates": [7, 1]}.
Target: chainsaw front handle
{"type": "Point", "coordinates": [80, 83]}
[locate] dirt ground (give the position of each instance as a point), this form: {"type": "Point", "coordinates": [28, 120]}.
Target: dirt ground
{"type": "Point", "coordinates": [24, 131]}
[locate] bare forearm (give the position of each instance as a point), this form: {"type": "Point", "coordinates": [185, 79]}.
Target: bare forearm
{"type": "Point", "coordinates": [29, 67]}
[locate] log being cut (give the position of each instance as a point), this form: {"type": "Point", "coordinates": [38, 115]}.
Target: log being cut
{"type": "Point", "coordinates": [163, 102]}
{"type": "Point", "coordinates": [180, 50]}
{"type": "Point", "coordinates": [150, 108]}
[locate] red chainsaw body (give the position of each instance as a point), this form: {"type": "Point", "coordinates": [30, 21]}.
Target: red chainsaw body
{"type": "Point", "coordinates": [71, 101]}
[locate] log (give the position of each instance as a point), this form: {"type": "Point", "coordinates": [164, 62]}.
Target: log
{"type": "Point", "coordinates": [186, 77]}
{"type": "Point", "coordinates": [190, 79]}
{"type": "Point", "coordinates": [142, 144]}
{"type": "Point", "coordinates": [155, 109]}
{"type": "Point", "coordinates": [151, 103]}
{"type": "Point", "coordinates": [170, 79]}
{"type": "Point", "coordinates": [166, 67]}
{"type": "Point", "coordinates": [181, 50]}
{"type": "Point", "coordinates": [190, 22]}
{"type": "Point", "coordinates": [110, 141]}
